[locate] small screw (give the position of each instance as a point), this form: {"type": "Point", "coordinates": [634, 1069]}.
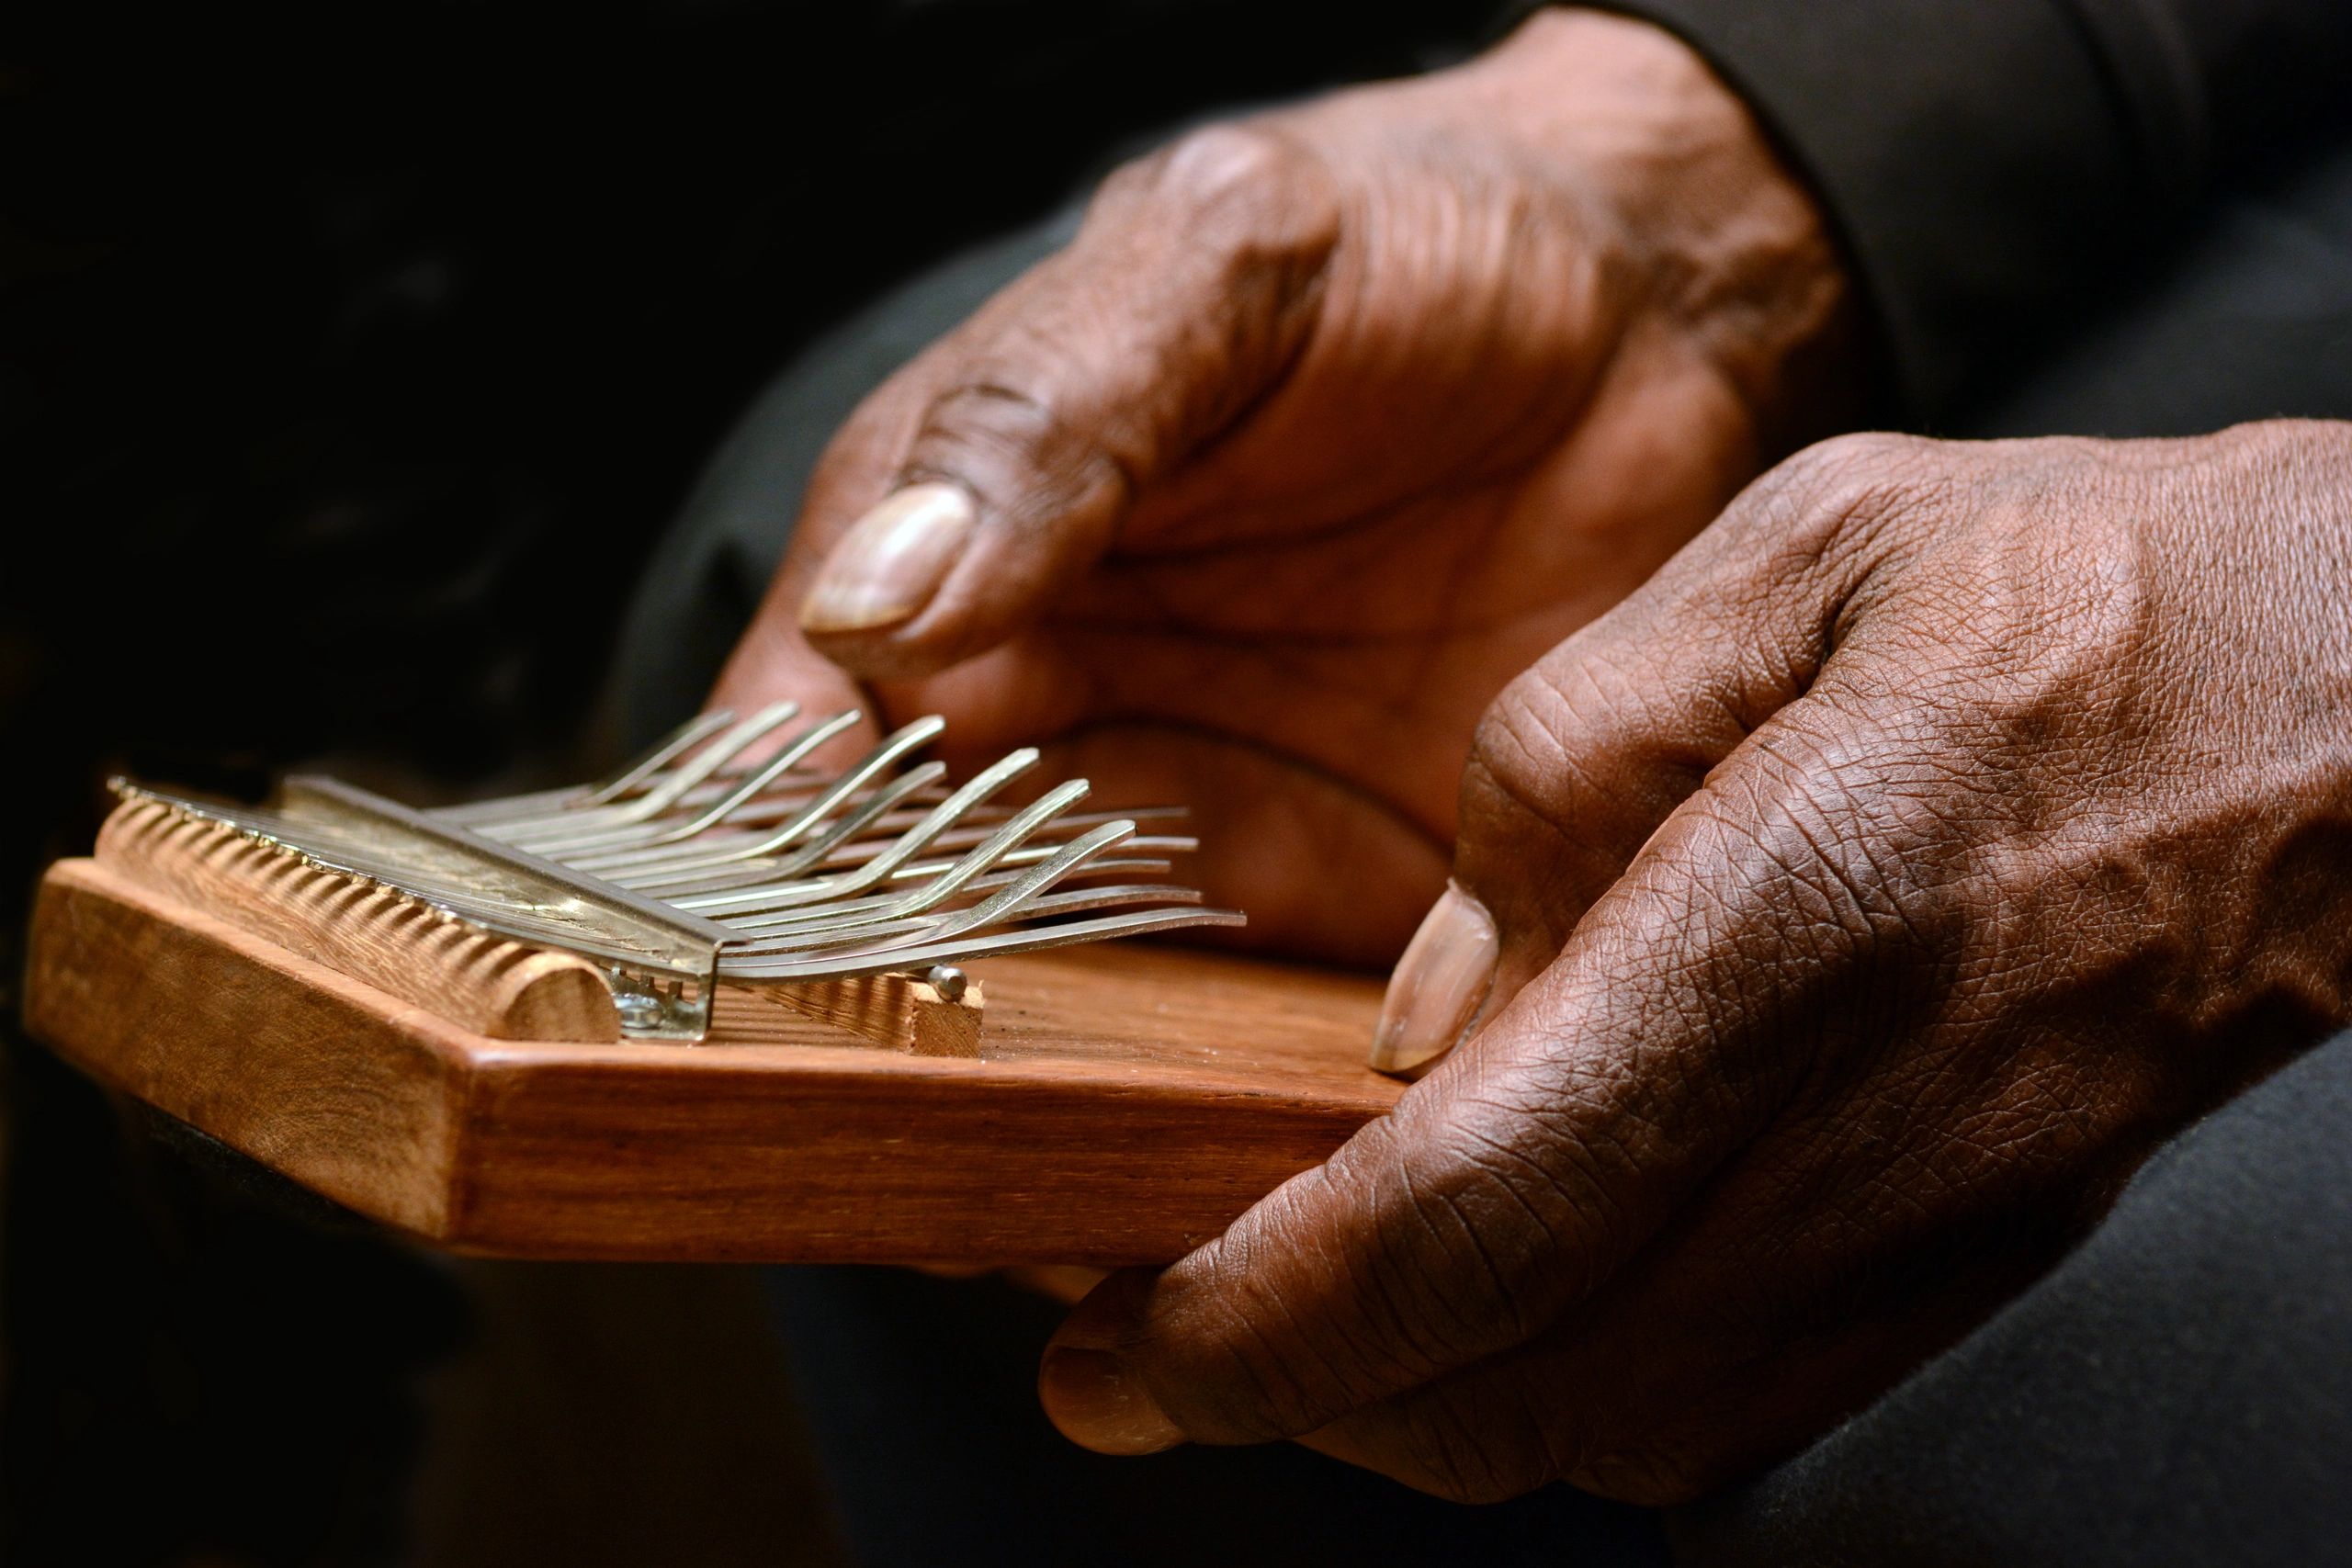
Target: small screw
{"type": "Point", "coordinates": [948, 981]}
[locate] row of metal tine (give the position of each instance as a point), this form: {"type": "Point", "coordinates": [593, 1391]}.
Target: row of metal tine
{"type": "Point", "coordinates": [880, 866]}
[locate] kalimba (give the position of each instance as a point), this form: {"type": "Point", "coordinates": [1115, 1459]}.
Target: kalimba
{"type": "Point", "coordinates": [720, 1006]}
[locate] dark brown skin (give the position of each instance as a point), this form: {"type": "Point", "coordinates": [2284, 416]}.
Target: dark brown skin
{"type": "Point", "coordinates": [1326, 425]}
{"type": "Point", "coordinates": [1847, 912]}
{"type": "Point", "coordinates": [1942, 828]}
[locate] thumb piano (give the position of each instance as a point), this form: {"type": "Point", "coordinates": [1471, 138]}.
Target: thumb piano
{"type": "Point", "coordinates": [707, 1011]}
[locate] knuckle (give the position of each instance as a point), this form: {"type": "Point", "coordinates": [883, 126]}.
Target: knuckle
{"type": "Point", "coordinates": [1546, 732]}
{"type": "Point", "coordinates": [1848, 482]}
{"type": "Point", "coordinates": [1236, 186]}
{"type": "Point", "coordinates": [995, 406]}
{"type": "Point", "coordinates": [1515, 751]}
{"type": "Point", "coordinates": [1227, 164]}
{"type": "Point", "coordinates": [1857, 847]}
{"type": "Point", "coordinates": [1030, 451]}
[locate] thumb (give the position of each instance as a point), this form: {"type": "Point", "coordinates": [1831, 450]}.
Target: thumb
{"type": "Point", "coordinates": [1189, 291]}
{"type": "Point", "coordinates": [1580, 760]}
{"type": "Point", "coordinates": [1513, 1184]}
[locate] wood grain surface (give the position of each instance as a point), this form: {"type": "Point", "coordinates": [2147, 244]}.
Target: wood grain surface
{"type": "Point", "coordinates": [1130, 1101]}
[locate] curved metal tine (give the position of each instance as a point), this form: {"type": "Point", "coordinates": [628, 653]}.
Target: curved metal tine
{"type": "Point", "coordinates": [962, 950]}
{"type": "Point", "coordinates": [645, 841]}
{"type": "Point", "coordinates": [933, 928]}
{"type": "Point", "coordinates": [988, 882]}
{"type": "Point", "coordinates": [575, 798]}
{"type": "Point", "coordinates": [941, 886]}
{"type": "Point", "coordinates": [674, 745]}
{"type": "Point", "coordinates": [995, 909]}
{"type": "Point", "coordinates": [1030, 854]}
{"type": "Point", "coordinates": [979, 825]}
{"type": "Point", "coordinates": [904, 848]}
{"type": "Point", "coordinates": [648, 855]}
{"type": "Point", "coordinates": [667, 881]}
{"type": "Point", "coordinates": [559, 826]}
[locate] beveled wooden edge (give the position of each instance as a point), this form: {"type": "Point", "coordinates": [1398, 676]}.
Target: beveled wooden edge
{"type": "Point", "coordinates": [738, 1153]}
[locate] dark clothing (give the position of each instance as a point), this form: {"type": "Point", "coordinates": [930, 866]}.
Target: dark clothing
{"type": "Point", "coordinates": [1993, 165]}
{"type": "Point", "coordinates": [2178, 1391]}
{"type": "Point", "coordinates": [901, 1375]}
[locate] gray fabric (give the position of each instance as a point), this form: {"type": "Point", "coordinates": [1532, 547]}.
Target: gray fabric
{"type": "Point", "coordinates": [2178, 1391]}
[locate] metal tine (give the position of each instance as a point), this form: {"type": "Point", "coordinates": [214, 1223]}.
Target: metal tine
{"type": "Point", "coordinates": [996, 908]}
{"type": "Point", "coordinates": [934, 928]}
{"type": "Point", "coordinates": [892, 905]}
{"type": "Point", "coordinates": [644, 842]}
{"type": "Point", "coordinates": [782, 804]}
{"type": "Point", "coordinates": [886, 858]}
{"type": "Point", "coordinates": [583, 850]}
{"type": "Point", "coordinates": [1004, 839]}
{"type": "Point", "coordinates": [679, 742]}
{"type": "Point", "coordinates": [558, 825]}
{"type": "Point", "coordinates": [961, 950]}
{"type": "Point", "coordinates": [1031, 854]}
{"type": "Point", "coordinates": [865, 846]}
{"type": "Point", "coordinates": [988, 882]}
{"type": "Point", "coordinates": [673, 880]}
{"type": "Point", "coordinates": [865, 851]}
{"type": "Point", "coordinates": [969, 833]}
{"type": "Point", "coordinates": [572, 797]}
{"type": "Point", "coordinates": [653, 856]}
{"type": "Point", "coordinates": [1012, 861]}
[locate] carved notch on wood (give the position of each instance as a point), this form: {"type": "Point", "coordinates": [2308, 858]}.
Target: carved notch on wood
{"type": "Point", "coordinates": [897, 1012]}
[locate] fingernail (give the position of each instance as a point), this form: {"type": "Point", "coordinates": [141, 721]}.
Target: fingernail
{"type": "Point", "coordinates": [1099, 1406]}
{"type": "Point", "coordinates": [891, 561]}
{"type": "Point", "coordinates": [1446, 972]}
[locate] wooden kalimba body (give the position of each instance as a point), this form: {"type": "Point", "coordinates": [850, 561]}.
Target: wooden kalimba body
{"type": "Point", "coordinates": [706, 1011]}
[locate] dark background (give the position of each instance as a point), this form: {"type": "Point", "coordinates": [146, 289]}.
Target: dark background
{"type": "Point", "coordinates": [351, 358]}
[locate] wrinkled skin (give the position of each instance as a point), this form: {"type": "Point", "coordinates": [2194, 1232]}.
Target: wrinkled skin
{"type": "Point", "coordinates": [1870, 891]}
{"type": "Point", "coordinates": [1855, 904]}
{"type": "Point", "coordinates": [1325, 426]}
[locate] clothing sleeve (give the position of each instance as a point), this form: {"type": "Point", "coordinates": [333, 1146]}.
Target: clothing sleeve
{"type": "Point", "coordinates": [1988, 162]}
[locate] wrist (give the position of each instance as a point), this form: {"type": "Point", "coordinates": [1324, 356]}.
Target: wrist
{"type": "Point", "coordinates": [1717, 234]}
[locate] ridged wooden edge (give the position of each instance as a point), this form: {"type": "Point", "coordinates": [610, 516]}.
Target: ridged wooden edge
{"type": "Point", "coordinates": [482, 982]}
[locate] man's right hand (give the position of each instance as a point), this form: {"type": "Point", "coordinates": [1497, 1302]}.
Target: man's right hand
{"type": "Point", "coordinates": [1328, 423]}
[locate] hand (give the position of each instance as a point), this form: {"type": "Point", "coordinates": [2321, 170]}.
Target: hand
{"type": "Point", "coordinates": [1836, 925]}
{"type": "Point", "coordinates": [1325, 426]}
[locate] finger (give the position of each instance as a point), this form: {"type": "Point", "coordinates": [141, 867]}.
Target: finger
{"type": "Point", "coordinates": [1498, 1193]}
{"type": "Point", "coordinates": [1192, 286]}
{"type": "Point", "coordinates": [1578, 762]}
{"type": "Point", "coordinates": [1509, 1186]}
{"type": "Point", "coordinates": [771, 664]}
